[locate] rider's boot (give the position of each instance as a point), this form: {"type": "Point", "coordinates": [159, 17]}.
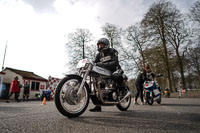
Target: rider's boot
{"type": "Point", "coordinates": [96, 109]}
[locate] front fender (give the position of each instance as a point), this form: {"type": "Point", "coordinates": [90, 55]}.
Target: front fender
{"type": "Point", "coordinates": [71, 75]}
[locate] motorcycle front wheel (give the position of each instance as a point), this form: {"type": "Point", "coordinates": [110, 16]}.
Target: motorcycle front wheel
{"type": "Point", "coordinates": [149, 99]}
{"type": "Point", "coordinates": [67, 101]}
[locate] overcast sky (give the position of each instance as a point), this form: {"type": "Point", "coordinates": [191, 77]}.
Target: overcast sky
{"type": "Point", "coordinates": [35, 30]}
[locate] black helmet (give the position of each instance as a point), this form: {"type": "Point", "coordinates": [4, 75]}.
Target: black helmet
{"type": "Point", "coordinates": [104, 41]}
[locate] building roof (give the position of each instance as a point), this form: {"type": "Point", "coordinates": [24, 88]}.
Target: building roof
{"type": "Point", "coordinates": [26, 74]}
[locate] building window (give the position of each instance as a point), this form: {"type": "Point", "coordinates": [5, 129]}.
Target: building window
{"type": "Point", "coordinates": [35, 86]}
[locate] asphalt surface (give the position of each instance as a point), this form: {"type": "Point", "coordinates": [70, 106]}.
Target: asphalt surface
{"type": "Point", "coordinates": [172, 116]}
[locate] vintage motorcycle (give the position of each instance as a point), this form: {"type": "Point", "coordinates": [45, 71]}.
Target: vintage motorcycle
{"type": "Point", "coordinates": [152, 92]}
{"type": "Point", "coordinates": [74, 91]}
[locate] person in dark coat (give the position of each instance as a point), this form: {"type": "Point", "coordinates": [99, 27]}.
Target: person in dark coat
{"type": "Point", "coordinates": [106, 58]}
{"type": "Point", "coordinates": [14, 89]}
{"type": "Point", "coordinates": [139, 83]}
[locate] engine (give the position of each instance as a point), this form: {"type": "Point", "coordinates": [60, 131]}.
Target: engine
{"type": "Point", "coordinates": [108, 88]}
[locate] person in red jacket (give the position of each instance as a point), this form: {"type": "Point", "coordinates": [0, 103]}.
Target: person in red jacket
{"type": "Point", "coordinates": [14, 89]}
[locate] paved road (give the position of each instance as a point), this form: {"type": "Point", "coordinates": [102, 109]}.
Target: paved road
{"type": "Point", "coordinates": [172, 116]}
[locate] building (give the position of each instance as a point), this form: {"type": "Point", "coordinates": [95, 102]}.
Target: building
{"type": "Point", "coordinates": [36, 83]}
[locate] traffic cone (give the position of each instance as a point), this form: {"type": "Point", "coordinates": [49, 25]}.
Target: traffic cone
{"type": "Point", "coordinates": [44, 101]}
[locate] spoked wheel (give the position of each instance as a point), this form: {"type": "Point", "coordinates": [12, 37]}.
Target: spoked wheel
{"type": "Point", "coordinates": [124, 105]}
{"type": "Point", "coordinates": [149, 99]}
{"type": "Point", "coordinates": [67, 101]}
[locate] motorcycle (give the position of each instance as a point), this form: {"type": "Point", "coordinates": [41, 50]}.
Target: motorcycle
{"type": "Point", "coordinates": [167, 93]}
{"type": "Point", "coordinates": [74, 91]}
{"type": "Point", "coordinates": [152, 92]}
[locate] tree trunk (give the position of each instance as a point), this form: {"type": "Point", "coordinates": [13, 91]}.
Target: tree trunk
{"type": "Point", "coordinates": [169, 84]}
{"type": "Point", "coordinates": [181, 69]}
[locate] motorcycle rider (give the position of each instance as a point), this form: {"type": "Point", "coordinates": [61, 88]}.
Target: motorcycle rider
{"type": "Point", "coordinates": [143, 75]}
{"type": "Point", "coordinates": [108, 58]}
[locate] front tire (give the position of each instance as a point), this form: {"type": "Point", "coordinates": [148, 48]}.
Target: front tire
{"type": "Point", "coordinates": [67, 101]}
{"type": "Point", "coordinates": [149, 99]}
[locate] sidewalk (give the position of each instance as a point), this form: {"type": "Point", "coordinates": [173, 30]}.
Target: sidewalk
{"type": "Point", "coordinates": [187, 94]}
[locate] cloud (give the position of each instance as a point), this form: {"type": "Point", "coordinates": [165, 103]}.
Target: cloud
{"type": "Point", "coordinates": [35, 29]}
{"type": "Point", "coordinates": [122, 13]}
{"type": "Point", "coordinates": [183, 5]}
{"type": "Point", "coordinates": [117, 12]}
{"type": "Point", "coordinates": [35, 41]}
{"type": "Point", "coordinates": [42, 6]}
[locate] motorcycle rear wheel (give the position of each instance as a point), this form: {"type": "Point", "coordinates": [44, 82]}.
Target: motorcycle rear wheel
{"type": "Point", "coordinates": [123, 106]}
{"type": "Point", "coordinates": [159, 100]}
{"type": "Point", "coordinates": [67, 101]}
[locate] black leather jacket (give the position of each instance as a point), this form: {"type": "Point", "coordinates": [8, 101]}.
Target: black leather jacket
{"type": "Point", "coordinates": [143, 76]}
{"type": "Point", "coordinates": [108, 59]}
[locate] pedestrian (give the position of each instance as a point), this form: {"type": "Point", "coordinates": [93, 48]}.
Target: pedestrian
{"type": "Point", "coordinates": [139, 83]}
{"type": "Point", "coordinates": [14, 89]}
{"type": "Point", "coordinates": [180, 93]}
{"type": "Point", "coordinates": [26, 91]}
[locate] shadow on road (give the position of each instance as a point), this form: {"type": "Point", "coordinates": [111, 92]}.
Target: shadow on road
{"type": "Point", "coordinates": [153, 120]}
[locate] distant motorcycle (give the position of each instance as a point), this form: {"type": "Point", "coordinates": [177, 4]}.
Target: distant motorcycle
{"type": "Point", "coordinates": [152, 92]}
{"type": "Point", "coordinates": [167, 93]}
{"type": "Point", "coordinates": [74, 91]}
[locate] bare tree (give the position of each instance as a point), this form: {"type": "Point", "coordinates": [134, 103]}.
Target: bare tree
{"type": "Point", "coordinates": [126, 58]}
{"type": "Point", "coordinates": [75, 46]}
{"type": "Point", "coordinates": [195, 12]}
{"type": "Point", "coordinates": [136, 39]}
{"type": "Point", "coordinates": [91, 51]}
{"type": "Point", "coordinates": [113, 33]}
{"type": "Point", "coordinates": [178, 37]}
{"type": "Point", "coordinates": [194, 57]}
{"type": "Point", "coordinates": [155, 21]}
